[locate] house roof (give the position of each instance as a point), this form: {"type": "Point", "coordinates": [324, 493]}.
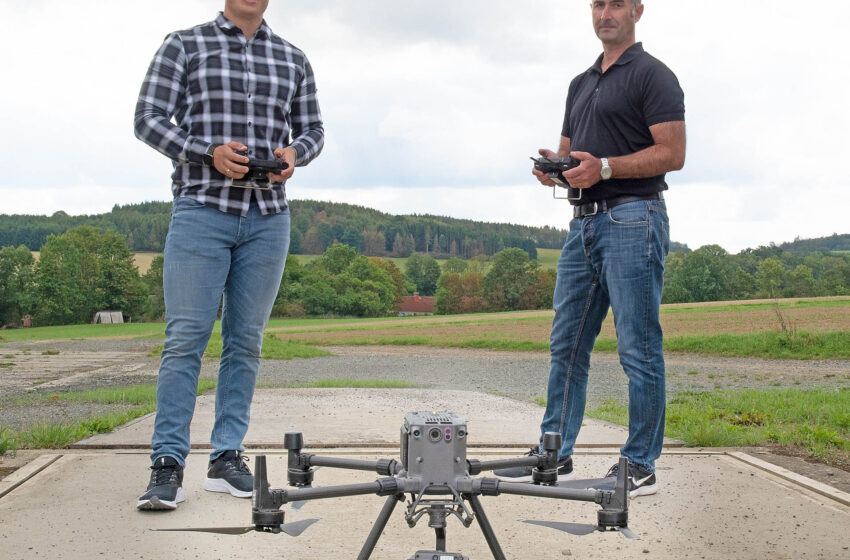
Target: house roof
{"type": "Point", "coordinates": [417, 304]}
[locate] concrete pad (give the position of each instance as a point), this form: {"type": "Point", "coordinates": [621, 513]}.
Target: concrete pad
{"type": "Point", "coordinates": [349, 417]}
{"type": "Point", "coordinates": [709, 506]}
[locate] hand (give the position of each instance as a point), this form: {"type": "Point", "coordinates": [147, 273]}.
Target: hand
{"type": "Point", "coordinates": [228, 162]}
{"type": "Point", "coordinates": [585, 175]}
{"type": "Point", "coordinates": [544, 179]}
{"type": "Point", "coordinates": [287, 155]}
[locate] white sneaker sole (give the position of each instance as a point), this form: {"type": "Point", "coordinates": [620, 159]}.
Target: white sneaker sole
{"type": "Point", "coordinates": [221, 485]}
{"type": "Point", "coordinates": [646, 490]}
{"type": "Point", "coordinates": [155, 504]}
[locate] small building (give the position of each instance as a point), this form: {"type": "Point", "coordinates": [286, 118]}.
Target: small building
{"type": "Point", "coordinates": [416, 305]}
{"type": "Point", "coordinates": [108, 318]}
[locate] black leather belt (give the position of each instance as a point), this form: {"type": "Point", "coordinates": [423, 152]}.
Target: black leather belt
{"type": "Point", "coordinates": [600, 206]}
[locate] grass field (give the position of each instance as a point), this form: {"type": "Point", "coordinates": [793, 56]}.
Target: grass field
{"type": "Point", "coordinates": [815, 328]}
{"type": "Point", "coordinates": [548, 258]}
{"type": "Point", "coordinates": [817, 421]}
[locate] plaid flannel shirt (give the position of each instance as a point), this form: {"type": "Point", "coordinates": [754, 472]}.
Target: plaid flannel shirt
{"type": "Point", "coordinates": [219, 87]}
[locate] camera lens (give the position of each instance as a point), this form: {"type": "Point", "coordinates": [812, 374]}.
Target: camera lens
{"type": "Point", "coordinates": [416, 433]}
{"type": "Point", "coordinates": [435, 434]}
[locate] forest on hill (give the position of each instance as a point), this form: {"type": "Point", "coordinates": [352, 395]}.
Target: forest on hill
{"type": "Point", "coordinates": [315, 227]}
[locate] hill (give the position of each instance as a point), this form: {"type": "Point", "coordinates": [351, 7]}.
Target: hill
{"type": "Point", "coordinates": [315, 226]}
{"type": "Point", "coordinates": [835, 243]}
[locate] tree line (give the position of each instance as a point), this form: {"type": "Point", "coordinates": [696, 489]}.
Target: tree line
{"type": "Point", "coordinates": [86, 270]}
{"type": "Point", "coordinates": [315, 227]}
{"type": "Point", "coordinates": [710, 273]}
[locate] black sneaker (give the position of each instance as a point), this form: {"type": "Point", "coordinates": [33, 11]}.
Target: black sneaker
{"type": "Point", "coordinates": [641, 482]}
{"type": "Point", "coordinates": [165, 490]}
{"type": "Point", "coordinates": [229, 473]}
{"type": "Point", "coordinates": [523, 474]}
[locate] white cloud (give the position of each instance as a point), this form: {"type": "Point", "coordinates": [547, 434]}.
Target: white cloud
{"type": "Point", "coordinates": [438, 105]}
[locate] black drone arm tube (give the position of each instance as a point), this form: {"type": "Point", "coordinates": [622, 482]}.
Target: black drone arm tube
{"type": "Point", "coordinates": [303, 494]}
{"type": "Point", "coordinates": [532, 461]}
{"type": "Point", "coordinates": [523, 489]}
{"type": "Point", "coordinates": [381, 467]}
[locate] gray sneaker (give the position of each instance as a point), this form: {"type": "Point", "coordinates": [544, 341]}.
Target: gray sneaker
{"type": "Point", "coordinates": [229, 473]}
{"type": "Point", "coordinates": [165, 489]}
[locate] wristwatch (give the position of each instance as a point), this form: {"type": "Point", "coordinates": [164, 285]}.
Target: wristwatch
{"type": "Point", "coordinates": [207, 158]}
{"type": "Point", "coordinates": [606, 170]}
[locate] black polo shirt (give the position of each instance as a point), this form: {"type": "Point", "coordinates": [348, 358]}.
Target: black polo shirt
{"type": "Point", "coordinates": [609, 114]}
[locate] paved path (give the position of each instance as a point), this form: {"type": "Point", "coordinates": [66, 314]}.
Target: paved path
{"type": "Point", "coordinates": [711, 504]}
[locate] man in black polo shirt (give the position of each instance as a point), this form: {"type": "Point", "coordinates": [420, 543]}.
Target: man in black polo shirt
{"type": "Point", "coordinates": [625, 122]}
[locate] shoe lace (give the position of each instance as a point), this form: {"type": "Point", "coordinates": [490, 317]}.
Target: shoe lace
{"type": "Point", "coordinates": [163, 475]}
{"type": "Point", "coordinates": [238, 464]}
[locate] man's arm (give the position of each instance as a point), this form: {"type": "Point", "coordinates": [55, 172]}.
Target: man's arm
{"type": "Point", "coordinates": [667, 154]}
{"type": "Point", "coordinates": [308, 133]}
{"type": "Point", "coordinates": [162, 92]}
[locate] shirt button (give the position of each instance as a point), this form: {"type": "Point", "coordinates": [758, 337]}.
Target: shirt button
{"type": "Point", "coordinates": [250, 123]}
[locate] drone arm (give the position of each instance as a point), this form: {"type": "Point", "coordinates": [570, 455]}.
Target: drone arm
{"type": "Point", "coordinates": [386, 467]}
{"type": "Point", "coordinates": [381, 487]}
{"type": "Point", "coordinates": [479, 466]}
{"type": "Point", "coordinates": [493, 487]}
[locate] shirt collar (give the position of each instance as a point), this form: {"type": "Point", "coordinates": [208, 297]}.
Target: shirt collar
{"type": "Point", "coordinates": [629, 55]}
{"type": "Point", "coordinates": [231, 28]}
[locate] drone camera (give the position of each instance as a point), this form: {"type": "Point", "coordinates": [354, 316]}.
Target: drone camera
{"type": "Point", "coordinates": [442, 455]}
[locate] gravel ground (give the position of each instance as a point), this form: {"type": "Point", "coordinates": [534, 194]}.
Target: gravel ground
{"type": "Point", "coordinates": [48, 367]}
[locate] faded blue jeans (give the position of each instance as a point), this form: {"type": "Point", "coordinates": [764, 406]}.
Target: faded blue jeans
{"type": "Point", "coordinates": [615, 259]}
{"type": "Point", "coordinates": [209, 254]}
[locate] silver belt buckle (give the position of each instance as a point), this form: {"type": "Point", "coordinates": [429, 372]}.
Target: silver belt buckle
{"type": "Point", "coordinates": [595, 209]}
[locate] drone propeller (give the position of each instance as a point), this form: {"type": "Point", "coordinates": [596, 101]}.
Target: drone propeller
{"type": "Point", "coordinates": [578, 529]}
{"type": "Point", "coordinates": [298, 504]}
{"type": "Point", "coordinates": [293, 529]}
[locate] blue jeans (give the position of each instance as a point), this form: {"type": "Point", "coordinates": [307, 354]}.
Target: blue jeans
{"type": "Point", "coordinates": [611, 259]}
{"type": "Point", "coordinates": [209, 254]}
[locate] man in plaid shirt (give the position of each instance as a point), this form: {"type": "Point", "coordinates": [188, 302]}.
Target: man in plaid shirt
{"type": "Point", "coordinates": [236, 92]}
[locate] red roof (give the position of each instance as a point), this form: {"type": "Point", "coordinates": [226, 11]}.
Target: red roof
{"type": "Point", "coordinates": [417, 304]}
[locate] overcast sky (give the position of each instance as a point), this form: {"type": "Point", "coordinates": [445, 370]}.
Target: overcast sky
{"type": "Point", "coordinates": [434, 107]}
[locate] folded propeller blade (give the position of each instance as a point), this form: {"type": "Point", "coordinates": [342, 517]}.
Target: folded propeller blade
{"type": "Point", "coordinates": [571, 528]}
{"type": "Point", "coordinates": [293, 529]}
{"type": "Point", "coordinates": [297, 505]}
{"type": "Point", "coordinates": [579, 529]}
{"type": "Point", "coordinates": [217, 530]}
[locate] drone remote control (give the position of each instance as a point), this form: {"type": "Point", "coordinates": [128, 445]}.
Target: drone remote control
{"type": "Point", "coordinates": [258, 170]}
{"type": "Point", "coordinates": [554, 167]}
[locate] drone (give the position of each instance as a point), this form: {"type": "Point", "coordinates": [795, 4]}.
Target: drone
{"type": "Point", "coordinates": [440, 481]}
